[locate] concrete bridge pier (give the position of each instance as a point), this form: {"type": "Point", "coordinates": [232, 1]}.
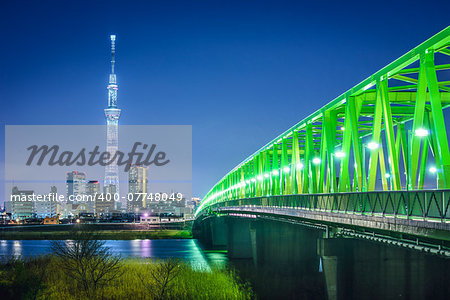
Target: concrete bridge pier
{"type": "Point", "coordinates": [239, 239]}
{"type": "Point", "coordinates": [212, 232]}
{"type": "Point", "coordinates": [218, 233]}
{"type": "Point", "coordinates": [289, 248]}
{"type": "Point", "coordinates": [202, 232]}
{"type": "Point", "coordinates": [329, 251]}
{"type": "Point", "coordinates": [359, 269]}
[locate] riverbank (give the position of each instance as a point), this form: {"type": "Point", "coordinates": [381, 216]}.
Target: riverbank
{"type": "Point", "coordinates": [47, 277]}
{"type": "Point", "coordinates": [151, 234]}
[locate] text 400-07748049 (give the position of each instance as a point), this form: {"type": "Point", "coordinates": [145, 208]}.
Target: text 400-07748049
{"type": "Point", "coordinates": [140, 196]}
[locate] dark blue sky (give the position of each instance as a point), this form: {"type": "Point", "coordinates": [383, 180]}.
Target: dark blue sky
{"type": "Point", "coordinates": [239, 72]}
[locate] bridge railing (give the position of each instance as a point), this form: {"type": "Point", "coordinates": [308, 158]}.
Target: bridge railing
{"type": "Point", "coordinates": [429, 205]}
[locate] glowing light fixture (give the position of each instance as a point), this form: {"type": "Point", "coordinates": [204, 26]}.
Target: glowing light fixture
{"type": "Point", "coordinates": [421, 132]}
{"type": "Point", "coordinates": [275, 172]}
{"type": "Point", "coordinates": [316, 160]}
{"type": "Point", "coordinates": [300, 166]}
{"type": "Point", "coordinates": [339, 154]}
{"type": "Point", "coordinates": [286, 169]}
{"type": "Point", "coordinates": [432, 170]}
{"type": "Point", "coordinates": [373, 145]}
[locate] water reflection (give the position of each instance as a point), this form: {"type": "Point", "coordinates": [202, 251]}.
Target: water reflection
{"type": "Point", "coordinates": [17, 248]}
{"type": "Point", "coordinates": [146, 246]}
{"type": "Point", "coordinates": [186, 249]}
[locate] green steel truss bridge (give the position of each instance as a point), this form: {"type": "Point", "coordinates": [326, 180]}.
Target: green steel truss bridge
{"type": "Point", "coordinates": [376, 156]}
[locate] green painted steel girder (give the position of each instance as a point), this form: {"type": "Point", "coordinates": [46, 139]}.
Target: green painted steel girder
{"type": "Point", "coordinates": [326, 152]}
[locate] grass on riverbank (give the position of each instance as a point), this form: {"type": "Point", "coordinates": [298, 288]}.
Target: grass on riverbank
{"type": "Point", "coordinates": [42, 278]}
{"type": "Point", "coordinates": [103, 235]}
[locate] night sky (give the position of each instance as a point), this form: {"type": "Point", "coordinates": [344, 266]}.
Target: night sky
{"type": "Point", "coordinates": [239, 72]}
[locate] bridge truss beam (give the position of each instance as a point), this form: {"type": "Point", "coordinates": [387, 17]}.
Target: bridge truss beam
{"type": "Point", "coordinates": [379, 135]}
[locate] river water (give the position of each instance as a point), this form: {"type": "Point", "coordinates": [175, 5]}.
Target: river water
{"type": "Point", "coordinates": [186, 249]}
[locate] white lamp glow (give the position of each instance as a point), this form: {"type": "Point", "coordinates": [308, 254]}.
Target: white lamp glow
{"type": "Point", "coordinates": [421, 132]}
{"type": "Point", "coordinates": [339, 154]}
{"type": "Point", "coordinates": [373, 145]}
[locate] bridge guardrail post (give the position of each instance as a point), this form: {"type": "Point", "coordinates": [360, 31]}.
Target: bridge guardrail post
{"type": "Point", "coordinates": [424, 207]}
{"type": "Point", "coordinates": [445, 207]}
{"type": "Point", "coordinates": [408, 206]}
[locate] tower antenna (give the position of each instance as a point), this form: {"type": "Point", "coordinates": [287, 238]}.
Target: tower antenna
{"type": "Point", "coordinates": [113, 52]}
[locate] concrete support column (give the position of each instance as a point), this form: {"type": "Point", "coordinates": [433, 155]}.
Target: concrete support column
{"type": "Point", "coordinates": [254, 242]}
{"type": "Point", "coordinates": [219, 233]}
{"type": "Point", "coordinates": [202, 231]}
{"type": "Point", "coordinates": [239, 243]}
{"type": "Point", "coordinates": [328, 250]}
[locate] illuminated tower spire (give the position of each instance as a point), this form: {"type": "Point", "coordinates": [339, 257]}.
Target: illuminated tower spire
{"type": "Point", "coordinates": [112, 114]}
{"type": "Point", "coordinates": [112, 87]}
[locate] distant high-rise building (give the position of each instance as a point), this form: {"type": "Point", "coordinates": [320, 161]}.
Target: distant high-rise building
{"type": "Point", "coordinates": [75, 185]}
{"type": "Point", "coordinates": [92, 193]}
{"type": "Point", "coordinates": [22, 204]}
{"type": "Point", "coordinates": [177, 207]}
{"type": "Point", "coordinates": [112, 114]}
{"type": "Point", "coordinates": [46, 207]}
{"type": "Point", "coordinates": [196, 202]}
{"type": "Point", "coordinates": [105, 203]}
{"type": "Point", "coordinates": [137, 188]}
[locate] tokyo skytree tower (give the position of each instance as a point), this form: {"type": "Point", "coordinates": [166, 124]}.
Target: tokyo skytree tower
{"type": "Point", "coordinates": [112, 114]}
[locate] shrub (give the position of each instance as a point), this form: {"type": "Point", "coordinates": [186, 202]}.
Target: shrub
{"type": "Point", "coordinates": [22, 278]}
{"type": "Point", "coordinates": [162, 274]}
{"type": "Point", "coordinates": [87, 261]}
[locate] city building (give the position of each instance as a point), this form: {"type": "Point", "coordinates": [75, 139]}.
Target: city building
{"type": "Point", "coordinates": [147, 219]}
{"type": "Point", "coordinates": [75, 186]}
{"type": "Point", "coordinates": [51, 221]}
{"type": "Point", "coordinates": [79, 208]}
{"type": "Point", "coordinates": [60, 209]}
{"type": "Point", "coordinates": [137, 188]}
{"type": "Point", "coordinates": [170, 218]}
{"type": "Point", "coordinates": [4, 215]}
{"type": "Point", "coordinates": [105, 203]}
{"type": "Point", "coordinates": [196, 202]}
{"type": "Point", "coordinates": [22, 204]}
{"type": "Point", "coordinates": [46, 207]}
{"type": "Point", "coordinates": [112, 114]}
{"type": "Point", "coordinates": [170, 207]}
{"type": "Point", "coordinates": [92, 192]}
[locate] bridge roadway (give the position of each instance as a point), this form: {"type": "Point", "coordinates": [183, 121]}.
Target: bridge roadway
{"type": "Point", "coordinates": [413, 219]}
